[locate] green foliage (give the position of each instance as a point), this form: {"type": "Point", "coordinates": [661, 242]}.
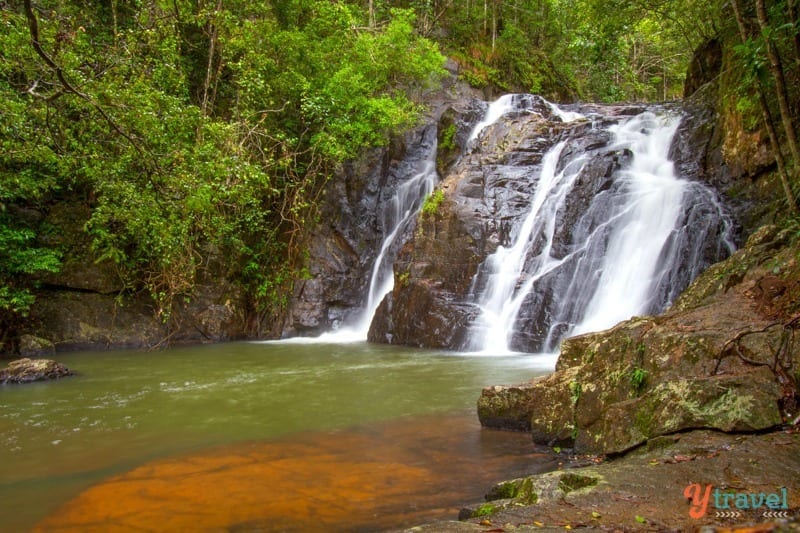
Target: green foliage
{"type": "Point", "coordinates": [578, 49]}
{"type": "Point", "coordinates": [18, 261]}
{"type": "Point", "coordinates": [197, 133]}
{"type": "Point", "coordinates": [402, 278]}
{"type": "Point", "coordinates": [448, 141]}
{"type": "Point", "coordinates": [575, 392]}
{"type": "Point", "coordinates": [28, 175]}
{"type": "Point", "coordinates": [486, 509]}
{"type": "Point", "coordinates": [638, 379]}
{"type": "Point", "coordinates": [431, 205]}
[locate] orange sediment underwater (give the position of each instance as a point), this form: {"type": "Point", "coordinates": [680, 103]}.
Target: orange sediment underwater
{"type": "Point", "coordinates": [386, 475]}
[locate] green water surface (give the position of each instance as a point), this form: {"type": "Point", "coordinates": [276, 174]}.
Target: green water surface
{"type": "Point", "coordinates": [125, 408]}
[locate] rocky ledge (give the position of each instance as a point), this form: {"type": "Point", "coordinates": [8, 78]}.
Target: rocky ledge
{"type": "Point", "coordinates": [26, 370]}
{"type": "Point", "coordinates": [702, 480]}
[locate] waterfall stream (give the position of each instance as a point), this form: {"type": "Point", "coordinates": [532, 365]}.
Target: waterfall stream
{"type": "Point", "coordinates": [397, 214]}
{"type": "Point", "coordinates": [638, 243]}
{"type": "Point", "coordinates": [504, 289]}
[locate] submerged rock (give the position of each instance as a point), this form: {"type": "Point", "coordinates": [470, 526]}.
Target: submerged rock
{"type": "Point", "coordinates": [26, 370]}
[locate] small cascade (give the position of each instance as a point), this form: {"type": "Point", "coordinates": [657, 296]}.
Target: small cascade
{"type": "Point", "coordinates": [396, 216]}
{"type": "Point", "coordinates": [640, 240]}
{"type": "Point", "coordinates": [640, 230]}
{"type": "Point", "coordinates": [517, 103]}
{"type": "Point", "coordinates": [399, 212]}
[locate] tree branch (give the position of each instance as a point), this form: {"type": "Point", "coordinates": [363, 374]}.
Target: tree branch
{"type": "Point", "coordinates": [33, 26]}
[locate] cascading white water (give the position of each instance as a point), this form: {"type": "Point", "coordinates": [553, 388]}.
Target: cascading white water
{"type": "Point", "coordinates": [626, 249]}
{"type": "Point", "coordinates": [400, 211]}
{"type": "Point", "coordinates": [502, 106]}
{"type": "Point", "coordinates": [510, 103]}
{"type": "Point", "coordinates": [396, 215]}
{"type": "Point", "coordinates": [506, 282]}
{"type": "Point", "coordinates": [631, 264]}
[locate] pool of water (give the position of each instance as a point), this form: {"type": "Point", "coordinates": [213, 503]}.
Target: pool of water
{"type": "Point", "coordinates": [346, 417]}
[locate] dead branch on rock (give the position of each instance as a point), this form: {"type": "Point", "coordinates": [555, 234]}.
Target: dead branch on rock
{"type": "Point", "coordinates": [782, 356]}
{"type": "Point", "coordinates": [780, 365]}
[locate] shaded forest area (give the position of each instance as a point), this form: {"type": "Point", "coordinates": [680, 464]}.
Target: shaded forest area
{"type": "Point", "coordinates": [200, 132]}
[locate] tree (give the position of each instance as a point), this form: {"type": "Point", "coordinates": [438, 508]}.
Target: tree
{"type": "Point", "coordinates": [194, 130]}
{"type": "Point", "coordinates": [751, 53]}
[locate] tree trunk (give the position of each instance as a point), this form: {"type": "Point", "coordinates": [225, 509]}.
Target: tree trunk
{"type": "Point", "coordinates": [485, 17]}
{"type": "Point", "coordinates": [792, 6]}
{"type": "Point", "coordinates": [494, 24]}
{"type": "Point", "coordinates": [371, 13]}
{"type": "Point", "coordinates": [206, 102]}
{"type": "Point", "coordinates": [776, 69]}
{"type": "Point", "coordinates": [767, 118]}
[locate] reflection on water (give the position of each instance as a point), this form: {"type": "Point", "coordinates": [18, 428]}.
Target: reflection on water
{"type": "Point", "coordinates": [128, 411]}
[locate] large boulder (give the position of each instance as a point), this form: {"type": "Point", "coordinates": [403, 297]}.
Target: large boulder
{"type": "Point", "coordinates": [722, 358]}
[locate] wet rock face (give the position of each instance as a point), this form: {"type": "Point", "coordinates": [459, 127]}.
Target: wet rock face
{"type": "Point", "coordinates": [340, 248]}
{"type": "Point", "coordinates": [704, 67]}
{"type": "Point", "coordinates": [26, 370]}
{"type": "Point", "coordinates": [425, 307]}
{"type": "Point", "coordinates": [346, 242]}
{"type": "Point", "coordinates": [721, 359]}
{"type": "Point", "coordinates": [488, 192]}
{"type": "Point", "coordinates": [348, 239]}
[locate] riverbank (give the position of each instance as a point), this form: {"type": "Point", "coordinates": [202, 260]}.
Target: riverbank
{"type": "Point", "coordinates": [754, 483]}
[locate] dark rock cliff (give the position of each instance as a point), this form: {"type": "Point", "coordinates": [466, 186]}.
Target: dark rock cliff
{"type": "Point", "coordinates": [347, 240]}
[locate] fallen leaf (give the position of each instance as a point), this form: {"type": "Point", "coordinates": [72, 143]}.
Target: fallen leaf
{"type": "Point", "coordinates": [680, 459]}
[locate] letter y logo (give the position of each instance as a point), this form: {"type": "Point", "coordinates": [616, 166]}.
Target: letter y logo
{"type": "Point", "coordinates": [699, 500]}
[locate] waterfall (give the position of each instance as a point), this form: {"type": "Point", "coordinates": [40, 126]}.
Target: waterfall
{"type": "Point", "coordinates": [640, 240]}
{"type": "Point", "coordinates": [640, 229]}
{"type": "Point", "coordinates": [398, 213]}
{"type": "Point", "coordinates": [517, 103]}
{"type": "Point", "coordinates": [505, 281]}
{"type": "Point", "coordinates": [583, 217]}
